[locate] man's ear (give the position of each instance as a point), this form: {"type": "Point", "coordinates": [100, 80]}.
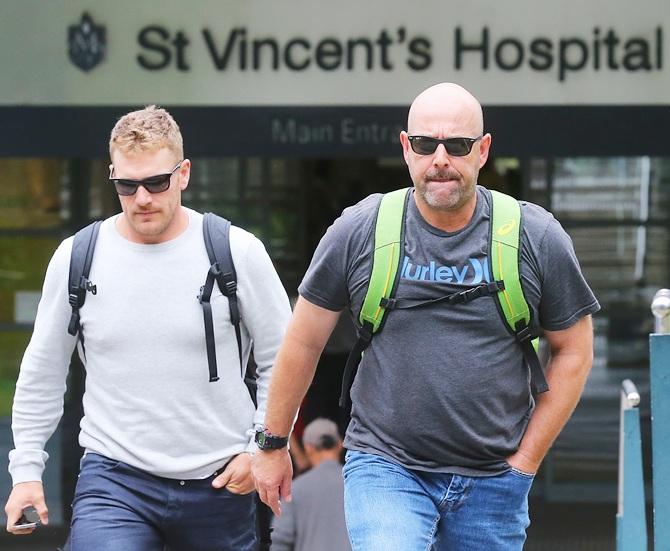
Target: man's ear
{"type": "Point", "coordinates": [484, 148]}
{"type": "Point", "coordinates": [185, 174]}
{"type": "Point", "coordinates": [404, 141]}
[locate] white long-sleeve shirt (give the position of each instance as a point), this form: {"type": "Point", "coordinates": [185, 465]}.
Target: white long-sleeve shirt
{"type": "Point", "coordinates": [148, 400]}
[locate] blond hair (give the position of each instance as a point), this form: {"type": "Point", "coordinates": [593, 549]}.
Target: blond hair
{"type": "Point", "coordinates": [147, 129]}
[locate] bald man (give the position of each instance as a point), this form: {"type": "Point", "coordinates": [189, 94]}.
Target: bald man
{"type": "Point", "coordinates": [445, 435]}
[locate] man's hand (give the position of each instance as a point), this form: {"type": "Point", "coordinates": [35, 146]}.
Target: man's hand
{"type": "Point", "coordinates": [24, 495]}
{"type": "Point", "coordinates": [236, 477]}
{"type": "Point", "coordinates": [272, 471]}
{"type": "Point", "coordinates": [571, 359]}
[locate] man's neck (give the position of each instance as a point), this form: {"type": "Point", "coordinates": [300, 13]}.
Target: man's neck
{"type": "Point", "coordinates": [447, 220]}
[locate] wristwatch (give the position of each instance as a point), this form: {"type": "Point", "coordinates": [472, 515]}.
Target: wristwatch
{"type": "Point", "coordinates": [265, 440]}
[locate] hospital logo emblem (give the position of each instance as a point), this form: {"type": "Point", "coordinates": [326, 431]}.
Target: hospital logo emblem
{"type": "Point", "coordinates": [87, 43]}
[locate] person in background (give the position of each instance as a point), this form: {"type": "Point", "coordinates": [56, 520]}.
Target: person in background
{"type": "Point", "coordinates": [314, 520]}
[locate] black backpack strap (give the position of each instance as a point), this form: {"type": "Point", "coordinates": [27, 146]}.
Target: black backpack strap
{"type": "Point", "coordinates": [263, 525]}
{"type": "Point", "coordinates": [459, 297]}
{"type": "Point", "coordinates": [365, 333]}
{"type": "Point", "coordinates": [81, 258]}
{"type": "Point", "coordinates": [538, 381]}
{"type": "Point", "coordinates": [216, 232]}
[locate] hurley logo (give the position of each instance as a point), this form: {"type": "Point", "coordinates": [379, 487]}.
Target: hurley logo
{"type": "Point", "coordinates": [474, 271]}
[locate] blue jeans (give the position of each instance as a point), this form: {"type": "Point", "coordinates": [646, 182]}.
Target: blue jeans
{"type": "Point", "coordinates": [392, 508]}
{"type": "Point", "coordinates": [119, 507]}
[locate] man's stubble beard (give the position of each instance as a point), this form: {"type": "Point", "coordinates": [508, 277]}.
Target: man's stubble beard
{"type": "Point", "coordinates": [446, 200]}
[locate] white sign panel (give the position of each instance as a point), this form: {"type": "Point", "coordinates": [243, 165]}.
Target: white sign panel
{"type": "Point", "coordinates": [25, 306]}
{"type": "Point", "coordinates": [310, 52]}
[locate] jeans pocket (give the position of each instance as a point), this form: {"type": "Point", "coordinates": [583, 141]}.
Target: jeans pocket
{"type": "Point", "coordinates": [97, 462]}
{"type": "Point", "coordinates": [522, 474]}
{"type": "Point", "coordinates": [352, 460]}
{"type": "Point", "coordinates": [231, 493]}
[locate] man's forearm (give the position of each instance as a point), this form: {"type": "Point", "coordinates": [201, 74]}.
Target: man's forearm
{"type": "Point", "coordinates": [554, 408]}
{"type": "Point", "coordinates": [296, 363]}
{"type": "Point", "coordinates": [291, 377]}
{"type": "Point", "coordinates": [566, 375]}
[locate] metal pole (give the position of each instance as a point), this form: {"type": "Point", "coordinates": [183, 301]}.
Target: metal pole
{"type": "Point", "coordinates": [660, 307]}
{"type": "Point", "coordinates": [659, 375]}
{"type": "Point", "coordinates": [631, 513]}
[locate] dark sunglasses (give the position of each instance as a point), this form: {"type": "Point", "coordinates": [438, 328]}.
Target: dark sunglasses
{"type": "Point", "coordinates": [456, 147]}
{"type": "Point", "coordinates": [153, 184]}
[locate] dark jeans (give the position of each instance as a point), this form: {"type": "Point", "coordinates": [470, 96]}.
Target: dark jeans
{"type": "Point", "coordinates": [118, 507]}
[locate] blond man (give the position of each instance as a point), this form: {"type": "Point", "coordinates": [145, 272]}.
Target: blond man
{"type": "Point", "coordinates": [167, 459]}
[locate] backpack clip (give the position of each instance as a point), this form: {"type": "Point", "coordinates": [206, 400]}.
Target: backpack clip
{"type": "Point", "coordinates": [230, 284]}
{"type": "Point", "coordinates": [495, 286]}
{"type": "Point", "coordinates": [388, 303]}
{"type": "Point", "coordinates": [523, 333]}
{"type": "Point", "coordinates": [89, 286]}
{"type": "Point", "coordinates": [365, 332]}
{"type": "Point", "coordinates": [228, 279]}
{"type": "Point", "coordinates": [467, 295]}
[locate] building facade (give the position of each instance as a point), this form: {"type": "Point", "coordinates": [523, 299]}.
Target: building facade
{"type": "Point", "coordinates": [291, 111]}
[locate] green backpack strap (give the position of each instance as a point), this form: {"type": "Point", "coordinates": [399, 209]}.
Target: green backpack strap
{"type": "Point", "coordinates": [504, 258]}
{"type": "Point", "coordinates": [388, 247]}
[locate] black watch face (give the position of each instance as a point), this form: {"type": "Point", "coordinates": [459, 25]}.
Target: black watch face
{"type": "Point", "coordinates": [270, 442]}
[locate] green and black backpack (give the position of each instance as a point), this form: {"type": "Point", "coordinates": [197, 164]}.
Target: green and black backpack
{"type": "Point", "coordinates": [504, 258]}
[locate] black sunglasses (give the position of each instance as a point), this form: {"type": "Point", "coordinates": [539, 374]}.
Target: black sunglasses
{"type": "Point", "coordinates": [456, 147]}
{"type": "Point", "coordinates": [153, 184]}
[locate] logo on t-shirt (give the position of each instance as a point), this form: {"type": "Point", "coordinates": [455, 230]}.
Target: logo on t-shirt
{"type": "Point", "coordinates": [474, 271]}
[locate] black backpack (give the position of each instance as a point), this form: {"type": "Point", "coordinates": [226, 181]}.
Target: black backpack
{"type": "Point", "coordinates": [216, 232]}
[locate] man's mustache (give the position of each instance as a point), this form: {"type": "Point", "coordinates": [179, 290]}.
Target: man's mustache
{"type": "Point", "coordinates": [442, 175]}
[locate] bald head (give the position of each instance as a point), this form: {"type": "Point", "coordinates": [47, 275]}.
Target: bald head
{"type": "Point", "coordinates": [445, 109]}
{"type": "Point", "coordinates": [444, 171]}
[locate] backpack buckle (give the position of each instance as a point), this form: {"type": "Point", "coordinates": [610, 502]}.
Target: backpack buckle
{"type": "Point", "coordinates": [87, 285]}
{"type": "Point", "coordinates": [523, 333]}
{"type": "Point", "coordinates": [365, 332]}
{"type": "Point", "coordinates": [231, 284]}
{"type": "Point", "coordinates": [495, 286]}
{"type": "Point", "coordinates": [73, 299]}
{"type": "Point", "coordinates": [388, 303]}
{"type": "Point", "coordinates": [468, 295]}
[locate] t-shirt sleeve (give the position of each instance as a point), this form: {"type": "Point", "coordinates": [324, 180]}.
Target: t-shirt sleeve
{"type": "Point", "coordinates": [566, 296]}
{"type": "Point", "coordinates": [325, 282]}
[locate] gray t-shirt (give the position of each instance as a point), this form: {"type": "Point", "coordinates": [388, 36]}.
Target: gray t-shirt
{"type": "Point", "coordinates": [445, 388]}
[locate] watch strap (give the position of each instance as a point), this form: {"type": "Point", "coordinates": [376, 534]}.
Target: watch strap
{"type": "Point", "coordinates": [265, 440]}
